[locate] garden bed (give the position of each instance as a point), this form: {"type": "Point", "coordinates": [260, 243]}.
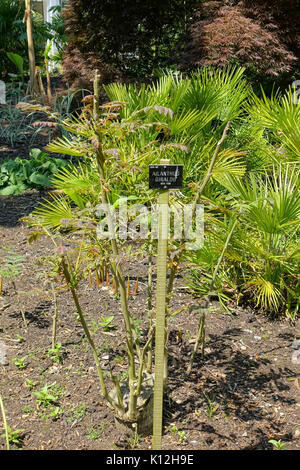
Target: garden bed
{"type": "Point", "coordinates": [241, 394]}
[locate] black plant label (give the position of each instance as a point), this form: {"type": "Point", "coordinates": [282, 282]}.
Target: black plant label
{"type": "Point", "coordinates": [165, 176]}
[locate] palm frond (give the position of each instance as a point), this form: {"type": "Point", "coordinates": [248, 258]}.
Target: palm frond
{"type": "Point", "coordinates": [229, 162]}
{"type": "Point", "coordinates": [79, 182]}
{"type": "Point", "coordinates": [221, 90]}
{"type": "Point", "coordinates": [192, 121]}
{"type": "Point", "coordinates": [54, 212]}
{"type": "Point", "coordinates": [66, 146]}
{"type": "Point", "coordinates": [281, 115]}
{"type": "Point", "coordinates": [267, 294]}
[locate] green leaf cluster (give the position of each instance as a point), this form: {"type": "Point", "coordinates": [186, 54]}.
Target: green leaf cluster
{"type": "Point", "coordinates": [36, 173]}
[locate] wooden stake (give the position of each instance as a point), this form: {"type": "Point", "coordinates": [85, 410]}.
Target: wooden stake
{"type": "Point", "coordinates": [160, 336]}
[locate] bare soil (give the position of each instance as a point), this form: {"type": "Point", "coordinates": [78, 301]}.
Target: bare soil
{"type": "Point", "coordinates": [241, 394]}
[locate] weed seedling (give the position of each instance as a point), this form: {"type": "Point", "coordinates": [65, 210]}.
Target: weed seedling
{"type": "Point", "coordinates": [124, 375]}
{"type": "Point", "coordinates": [14, 436]}
{"type": "Point", "coordinates": [27, 410]}
{"type": "Point", "coordinates": [104, 348]}
{"type": "Point", "coordinates": [94, 326]}
{"type": "Point", "coordinates": [212, 406]}
{"type": "Point", "coordinates": [134, 441]}
{"type": "Point", "coordinates": [56, 353]}
{"type": "Point", "coordinates": [279, 445]}
{"type": "Point", "coordinates": [20, 339]}
{"type": "Point", "coordinates": [30, 384]}
{"type": "Point", "coordinates": [80, 370]}
{"type": "Point", "coordinates": [95, 433]}
{"type": "Point", "coordinates": [76, 314]}
{"type": "Point", "coordinates": [31, 353]}
{"type": "Point", "coordinates": [55, 413]}
{"type": "Point", "coordinates": [180, 435]}
{"type": "Point", "coordinates": [119, 359]}
{"type": "Point", "coordinates": [107, 323]}
{"type": "Point", "coordinates": [48, 395]}
{"type": "Point", "coordinates": [78, 414]}
{"type": "Point", "coordinates": [20, 363]}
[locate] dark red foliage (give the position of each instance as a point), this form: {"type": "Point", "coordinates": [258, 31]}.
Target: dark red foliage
{"type": "Point", "coordinates": [262, 35]}
{"type": "Point", "coordinates": [79, 68]}
{"type": "Point", "coordinates": [283, 16]}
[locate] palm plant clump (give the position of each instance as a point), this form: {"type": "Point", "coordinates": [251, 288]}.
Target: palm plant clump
{"type": "Point", "coordinates": [261, 264]}
{"type": "Point", "coordinates": [240, 161]}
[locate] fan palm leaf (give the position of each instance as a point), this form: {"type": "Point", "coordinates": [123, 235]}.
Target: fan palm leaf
{"type": "Point", "coordinates": [280, 115]}
{"type": "Point", "coordinates": [267, 294]}
{"type": "Point", "coordinates": [80, 183]}
{"type": "Point", "coordinates": [221, 90]}
{"type": "Point", "coordinates": [67, 146]}
{"type": "Point", "coordinates": [54, 212]}
{"type": "Point", "coordinates": [229, 162]}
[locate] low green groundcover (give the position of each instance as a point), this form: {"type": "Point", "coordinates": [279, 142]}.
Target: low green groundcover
{"type": "Point", "coordinates": [36, 173]}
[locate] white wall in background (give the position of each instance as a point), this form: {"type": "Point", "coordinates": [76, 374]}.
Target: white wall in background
{"type": "Point", "coordinates": [48, 4]}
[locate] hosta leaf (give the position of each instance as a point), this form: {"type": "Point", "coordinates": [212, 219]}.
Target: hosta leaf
{"type": "Point", "coordinates": [37, 154]}
{"type": "Point", "coordinates": [11, 190]}
{"type": "Point", "coordinates": [40, 179]}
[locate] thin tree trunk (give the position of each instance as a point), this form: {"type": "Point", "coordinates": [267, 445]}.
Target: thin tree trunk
{"type": "Point", "coordinates": [120, 279]}
{"type": "Point", "coordinates": [118, 274]}
{"type": "Point", "coordinates": [49, 93]}
{"type": "Point", "coordinates": [31, 53]}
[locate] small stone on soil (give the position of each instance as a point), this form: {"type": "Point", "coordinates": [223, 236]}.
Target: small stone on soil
{"type": "Point", "coordinates": [296, 344]}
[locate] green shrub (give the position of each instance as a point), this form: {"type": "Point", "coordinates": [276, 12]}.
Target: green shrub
{"type": "Point", "coordinates": [36, 173]}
